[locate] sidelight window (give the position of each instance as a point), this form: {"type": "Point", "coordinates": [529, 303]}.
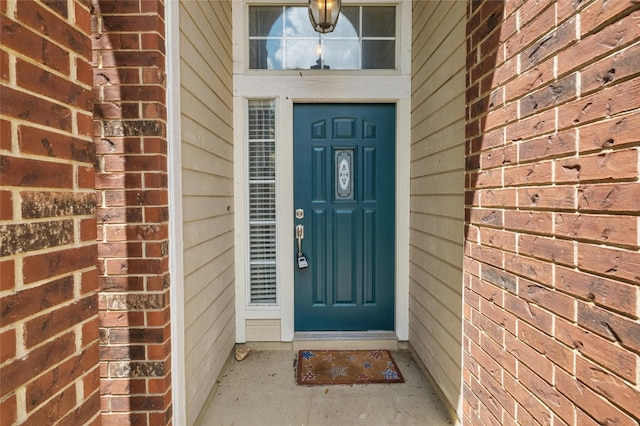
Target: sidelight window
{"type": "Point", "coordinates": [262, 202]}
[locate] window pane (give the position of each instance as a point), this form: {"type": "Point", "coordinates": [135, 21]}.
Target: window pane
{"type": "Point", "coordinates": [378, 54]}
{"type": "Point", "coordinates": [348, 23]}
{"type": "Point", "coordinates": [342, 54]}
{"type": "Point", "coordinates": [379, 21]}
{"type": "Point", "coordinates": [297, 23]}
{"type": "Point", "coordinates": [258, 54]}
{"type": "Point", "coordinates": [301, 54]}
{"type": "Point", "coordinates": [262, 20]}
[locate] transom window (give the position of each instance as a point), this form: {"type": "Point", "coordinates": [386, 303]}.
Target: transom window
{"type": "Point", "coordinates": [281, 37]}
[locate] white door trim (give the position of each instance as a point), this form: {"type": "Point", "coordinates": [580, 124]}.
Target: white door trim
{"type": "Point", "coordinates": [174, 166]}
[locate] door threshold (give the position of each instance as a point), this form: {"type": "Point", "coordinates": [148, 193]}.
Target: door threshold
{"type": "Point", "coordinates": [336, 340]}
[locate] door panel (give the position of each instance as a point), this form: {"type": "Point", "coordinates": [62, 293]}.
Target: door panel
{"type": "Point", "coordinates": [344, 171]}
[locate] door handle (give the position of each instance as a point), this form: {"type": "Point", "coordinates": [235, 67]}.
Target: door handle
{"type": "Point", "coordinates": [302, 261]}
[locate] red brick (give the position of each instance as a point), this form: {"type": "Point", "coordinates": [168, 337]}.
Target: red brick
{"type": "Point", "coordinates": [90, 332]}
{"type": "Point", "coordinates": [608, 385]}
{"type": "Point", "coordinates": [547, 393]}
{"type": "Point", "coordinates": [499, 157]}
{"type": "Point", "coordinates": [88, 230]}
{"type": "Point", "coordinates": [7, 275]}
{"type": "Point", "coordinates": [610, 101]}
{"type": "Point", "coordinates": [89, 282]}
{"type": "Point", "coordinates": [499, 354]}
{"type": "Point", "coordinates": [5, 135]}
{"type": "Point", "coordinates": [55, 408]}
{"type": "Point", "coordinates": [528, 401]}
{"type": "Point", "coordinates": [83, 17]}
{"type": "Point", "coordinates": [608, 134]}
{"type": "Point", "coordinates": [9, 410]}
{"type": "Point", "coordinates": [529, 80]}
{"type": "Point", "coordinates": [560, 144]}
{"type": "Point", "coordinates": [86, 414]}
{"type": "Point", "coordinates": [7, 344]}
{"type": "Point", "coordinates": [554, 301]}
{"type": "Point", "coordinates": [127, 386]}
{"type": "Point", "coordinates": [591, 403]}
{"type": "Point", "coordinates": [530, 174]}
{"type": "Point", "coordinates": [613, 294]}
{"type": "Point", "coordinates": [487, 178]}
{"type": "Point", "coordinates": [562, 36]}
{"type": "Point", "coordinates": [529, 357]}
{"type": "Point", "coordinates": [532, 127]}
{"type": "Point", "coordinates": [39, 80]}
{"type": "Point", "coordinates": [137, 266]}
{"type": "Point", "coordinates": [86, 178]}
{"type": "Point", "coordinates": [555, 351]}
{"type": "Point", "coordinates": [30, 301]}
{"type": "Point", "coordinates": [48, 325]}
{"type": "Point", "coordinates": [531, 314]}
{"type": "Point", "coordinates": [606, 72]}
{"type": "Point", "coordinates": [60, 262]}
{"type": "Point", "coordinates": [551, 197]}
{"type": "Point", "coordinates": [601, 351]}
{"type": "Point", "coordinates": [122, 352]}
{"type": "Point", "coordinates": [524, 220]}
{"type": "Point", "coordinates": [610, 262]}
{"type": "Point", "coordinates": [487, 255]}
{"type": "Point", "coordinates": [136, 403]}
{"type": "Point", "coordinates": [119, 419]}
{"type": "Point", "coordinates": [6, 205]}
{"type": "Point", "coordinates": [604, 166]}
{"type": "Point", "coordinates": [135, 23]}
{"type": "Point", "coordinates": [122, 319]}
{"type": "Point", "coordinates": [609, 325]}
{"type": "Point", "coordinates": [611, 229]}
{"type": "Point", "coordinates": [4, 66]}
{"type": "Point", "coordinates": [550, 249]}
{"type": "Point", "coordinates": [32, 173]}
{"type": "Point", "coordinates": [47, 385]}
{"type": "Point", "coordinates": [120, 250]}
{"type": "Point", "coordinates": [149, 197]}
{"type": "Point", "coordinates": [534, 269]}
{"type": "Point", "coordinates": [18, 37]}
{"type": "Point", "coordinates": [20, 371]}
{"type": "Point", "coordinates": [619, 197]}
{"type": "Point", "coordinates": [610, 38]}
{"type": "Point", "coordinates": [156, 214]}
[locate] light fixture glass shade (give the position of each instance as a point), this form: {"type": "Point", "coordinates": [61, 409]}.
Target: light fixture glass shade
{"type": "Point", "coordinates": [324, 14]}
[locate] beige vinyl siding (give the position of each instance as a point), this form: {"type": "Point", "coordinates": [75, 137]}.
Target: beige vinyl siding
{"type": "Point", "coordinates": [437, 190]}
{"type": "Point", "coordinates": [207, 195]}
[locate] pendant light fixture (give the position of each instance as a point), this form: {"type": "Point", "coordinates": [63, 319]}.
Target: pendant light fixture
{"type": "Point", "coordinates": [323, 15]}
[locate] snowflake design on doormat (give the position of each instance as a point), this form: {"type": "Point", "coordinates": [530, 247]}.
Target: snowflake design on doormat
{"type": "Point", "coordinates": [307, 354]}
{"type": "Point", "coordinates": [362, 377]}
{"type": "Point", "coordinates": [309, 375]}
{"type": "Point", "coordinates": [338, 371]}
{"type": "Point", "coordinates": [366, 364]}
{"type": "Point", "coordinates": [389, 374]}
{"type": "Point", "coordinates": [376, 354]}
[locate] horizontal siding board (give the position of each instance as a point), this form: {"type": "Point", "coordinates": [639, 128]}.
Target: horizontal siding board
{"type": "Point", "coordinates": [194, 258]}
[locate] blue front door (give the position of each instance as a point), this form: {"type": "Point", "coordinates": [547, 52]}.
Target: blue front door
{"type": "Point", "coordinates": [344, 200]}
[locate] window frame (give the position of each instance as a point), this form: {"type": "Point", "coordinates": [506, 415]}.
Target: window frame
{"type": "Point", "coordinates": [397, 39]}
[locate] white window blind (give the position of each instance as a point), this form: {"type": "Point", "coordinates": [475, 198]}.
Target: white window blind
{"type": "Point", "coordinates": [262, 202]}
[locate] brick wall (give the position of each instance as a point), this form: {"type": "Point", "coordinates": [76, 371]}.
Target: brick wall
{"type": "Point", "coordinates": [131, 181]}
{"type": "Point", "coordinates": [48, 278]}
{"type": "Point", "coordinates": [552, 267]}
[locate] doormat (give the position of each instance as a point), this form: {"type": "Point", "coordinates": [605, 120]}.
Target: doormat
{"type": "Point", "coordinates": [346, 368]}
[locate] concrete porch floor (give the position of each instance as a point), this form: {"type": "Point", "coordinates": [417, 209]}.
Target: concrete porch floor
{"type": "Point", "coordinates": [261, 390]}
